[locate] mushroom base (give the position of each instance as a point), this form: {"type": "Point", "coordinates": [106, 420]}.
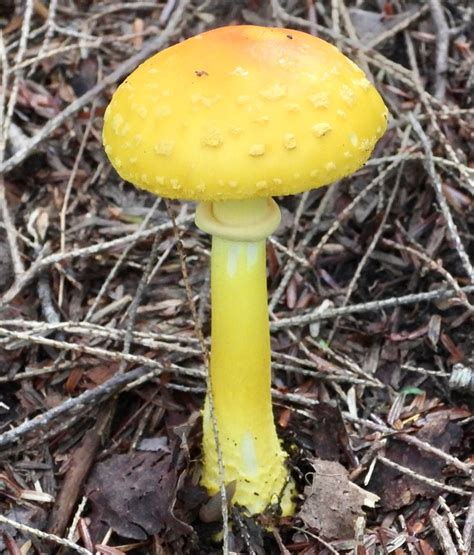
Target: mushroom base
{"type": "Point", "coordinates": [256, 464]}
{"type": "Point", "coordinates": [241, 382]}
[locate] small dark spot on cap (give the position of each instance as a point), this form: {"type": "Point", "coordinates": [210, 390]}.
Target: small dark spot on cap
{"type": "Point", "coordinates": [290, 37]}
{"type": "Point", "coordinates": [201, 72]}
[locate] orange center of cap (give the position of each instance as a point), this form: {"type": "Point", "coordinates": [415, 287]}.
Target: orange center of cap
{"type": "Point", "coordinates": [243, 112]}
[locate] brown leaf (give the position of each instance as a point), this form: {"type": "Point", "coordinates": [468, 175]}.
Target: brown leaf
{"type": "Point", "coordinates": [409, 335]}
{"type": "Point", "coordinates": [101, 373]}
{"type": "Point", "coordinates": [73, 379]}
{"type": "Point", "coordinates": [333, 503]}
{"type": "Point", "coordinates": [11, 545]}
{"type": "Point", "coordinates": [134, 494]}
{"type": "Point", "coordinates": [425, 548]}
{"type": "Point", "coordinates": [13, 25]}
{"type": "Point", "coordinates": [456, 354]}
{"type": "Point", "coordinates": [396, 489]}
{"type": "Point", "coordinates": [330, 438]}
{"type": "Point", "coordinates": [273, 263]}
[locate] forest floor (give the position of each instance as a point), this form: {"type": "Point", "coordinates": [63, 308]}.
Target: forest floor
{"type": "Point", "coordinates": [370, 283]}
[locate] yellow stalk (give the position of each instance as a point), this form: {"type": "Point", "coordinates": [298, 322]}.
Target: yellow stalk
{"type": "Point", "coordinates": [241, 379]}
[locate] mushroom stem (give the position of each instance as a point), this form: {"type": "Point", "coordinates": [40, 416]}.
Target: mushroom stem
{"type": "Point", "coordinates": [241, 376]}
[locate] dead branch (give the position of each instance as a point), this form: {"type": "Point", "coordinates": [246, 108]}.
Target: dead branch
{"type": "Point", "coordinates": [469, 525]}
{"type": "Point", "coordinates": [438, 187]}
{"type": "Point", "coordinates": [421, 478]}
{"type": "Point", "coordinates": [442, 47]}
{"type": "Point", "coordinates": [43, 263]}
{"type": "Point", "coordinates": [393, 302]}
{"type": "Point", "coordinates": [74, 405]}
{"type": "Point", "coordinates": [453, 525]}
{"type": "Point", "coordinates": [442, 533]}
{"type": "Point", "coordinates": [44, 535]}
{"type": "Point", "coordinates": [206, 360]}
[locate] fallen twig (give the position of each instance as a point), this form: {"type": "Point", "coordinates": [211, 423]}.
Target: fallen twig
{"type": "Point", "coordinates": [469, 525]}
{"type": "Point", "coordinates": [44, 535]}
{"type": "Point", "coordinates": [74, 405]}
{"type": "Point", "coordinates": [442, 47]}
{"type": "Point", "coordinates": [210, 397]}
{"type": "Point", "coordinates": [453, 525]}
{"type": "Point", "coordinates": [55, 258]}
{"type": "Point", "coordinates": [436, 181]}
{"type": "Point", "coordinates": [315, 316]}
{"type": "Point", "coordinates": [442, 533]}
{"type": "Point", "coordinates": [430, 481]}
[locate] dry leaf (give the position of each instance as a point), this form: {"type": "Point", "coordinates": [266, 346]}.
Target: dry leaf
{"type": "Point", "coordinates": [333, 503]}
{"type": "Point", "coordinates": [134, 494]}
{"type": "Point", "coordinates": [330, 438]}
{"type": "Point", "coordinates": [403, 489]}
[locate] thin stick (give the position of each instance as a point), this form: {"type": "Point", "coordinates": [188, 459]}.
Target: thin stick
{"type": "Point", "coordinates": [433, 265]}
{"type": "Point", "coordinates": [442, 533]}
{"type": "Point", "coordinates": [315, 316]}
{"type": "Point", "coordinates": [44, 535]}
{"type": "Point", "coordinates": [210, 396]}
{"type": "Point", "coordinates": [381, 176]}
{"type": "Point", "coordinates": [453, 525]}
{"type": "Point", "coordinates": [75, 405]}
{"type": "Point", "coordinates": [291, 264]}
{"type": "Point", "coordinates": [133, 308]}
{"type": "Point", "coordinates": [70, 183]}
{"type": "Point", "coordinates": [442, 47]}
{"type": "Point", "coordinates": [317, 538]}
{"type": "Point", "coordinates": [375, 238]}
{"type": "Point", "coordinates": [47, 261]}
{"type": "Point", "coordinates": [76, 518]}
{"type": "Point", "coordinates": [469, 525]}
{"type": "Point", "coordinates": [18, 267]}
{"type": "Point", "coordinates": [427, 102]}
{"type": "Point", "coordinates": [436, 182]}
{"type": "Point", "coordinates": [430, 481]}
{"type": "Point", "coordinates": [412, 440]}
{"type": "Point", "coordinates": [25, 31]}
{"type": "Point", "coordinates": [361, 56]}
{"type": "Point", "coordinates": [119, 262]}
{"type": "Point", "coordinates": [400, 26]}
{"type": "Point", "coordinates": [50, 25]}
{"type": "Point", "coordinates": [95, 351]}
{"type": "Point", "coordinates": [335, 19]}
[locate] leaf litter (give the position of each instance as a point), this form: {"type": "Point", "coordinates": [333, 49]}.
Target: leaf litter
{"type": "Point", "coordinates": [333, 504]}
{"type": "Point", "coordinates": [383, 380]}
{"type": "Point", "coordinates": [140, 503]}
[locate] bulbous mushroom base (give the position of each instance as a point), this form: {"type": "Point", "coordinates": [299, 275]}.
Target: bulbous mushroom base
{"type": "Point", "coordinates": [252, 458]}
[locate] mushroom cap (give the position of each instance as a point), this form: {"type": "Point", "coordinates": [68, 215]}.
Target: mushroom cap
{"type": "Point", "coordinates": [241, 112]}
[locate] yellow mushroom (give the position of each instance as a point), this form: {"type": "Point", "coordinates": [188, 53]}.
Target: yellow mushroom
{"type": "Point", "coordinates": [231, 118]}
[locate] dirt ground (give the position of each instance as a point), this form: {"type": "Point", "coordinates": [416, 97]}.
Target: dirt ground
{"type": "Point", "coordinates": [370, 283]}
